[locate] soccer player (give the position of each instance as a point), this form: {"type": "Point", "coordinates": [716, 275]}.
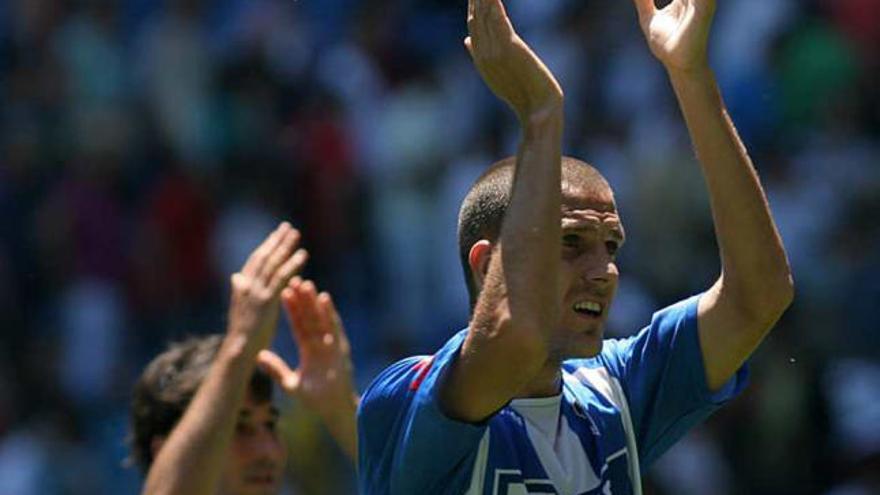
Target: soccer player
{"type": "Point", "coordinates": [528, 398]}
{"type": "Point", "coordinates": [202, 415]}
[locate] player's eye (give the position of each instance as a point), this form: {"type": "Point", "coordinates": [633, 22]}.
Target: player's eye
{"type": "Point", "coordinates": [612, 247]}
{"type": "Point", "coordinates": [571, 240]}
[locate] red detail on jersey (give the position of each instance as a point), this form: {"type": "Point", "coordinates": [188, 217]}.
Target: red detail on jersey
{"type": "Point", "coordinates": [422, 368]}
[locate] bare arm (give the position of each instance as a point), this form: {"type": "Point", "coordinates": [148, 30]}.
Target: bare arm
{"type": "Point", "coordinates": [190, 462]}
{"type": "Point", "coordinates": [323, 381]}
{"type": "Point", "coordinates": [755, 286]}
{"type": "Point", "coordinates": [519, 300]}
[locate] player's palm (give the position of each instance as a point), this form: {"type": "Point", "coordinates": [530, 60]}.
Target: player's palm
{"type": "Point", "coordinates": [678, 33]}
{"type": "Point", "coordinates": [508, 66]}
{"type": "Point", "coordinates": [253, 308]}
{"type": "Point", "coordinates": [323, 380]}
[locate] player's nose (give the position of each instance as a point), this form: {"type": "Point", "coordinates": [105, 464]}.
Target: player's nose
{"type": "Point", "coordinates": [602, 272]}
{"type": "Point", "coordinates": [269, 447]}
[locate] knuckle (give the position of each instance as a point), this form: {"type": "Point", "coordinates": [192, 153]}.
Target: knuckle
{"type": "Point", "coordinates": [241, 283]}
{"type": "Point", "coordinates": [264, 294]}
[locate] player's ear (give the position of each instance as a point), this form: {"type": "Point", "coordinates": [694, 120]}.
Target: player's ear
{"type": "Point", "coordinates": [478, 259]}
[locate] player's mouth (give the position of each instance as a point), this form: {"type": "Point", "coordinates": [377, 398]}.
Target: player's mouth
{"type": "Point", "coordinates": [592, 310]}
{"type": "Point", "coordinates": [262, 479]}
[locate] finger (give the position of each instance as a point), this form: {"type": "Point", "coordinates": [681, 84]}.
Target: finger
{"type": "Point", "coordinates": [705, 7]}
{"type": "Point", "coordinates": [308, 308]}
{"type": "Point", "coordinates": [477, 21]}
{"type": "Point", "coordinates": [334, 321]}
{"type": "Point", "coordinates": [496, 19]}
{"type": "Point", "coordinates": [255, 261]}
{"type": "Point", "coordinates": [291, 267]}
{"type": "Point", "coordinates": [645, 9]}
{"type": "Point", "coordinates": [469, 46]}
{"type": "Point", "coordinates": [293, 283]}
{"type": "Point", "coordinates": [237, 280]}
{"type": "Point", "coordinates": [290, 301]}
{"type": "Point", "coordinates": [280, 254]}
{"type": "Point", "coordinates": [676, 8]}
{"type": "Point", "coordinates": [275, 367]}
{"type": "Point", "coordinates": [288, 294]}
{"type": "Point", "coordinates": [498, 12]}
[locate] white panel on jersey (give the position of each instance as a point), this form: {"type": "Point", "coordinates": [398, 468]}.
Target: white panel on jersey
{"type": "Point", "coordinates": [611, 388]}
{"type": "Point", "coordinates": [513, 488]}
{"type": "Point", "coordinates": [516, 490]}
{"type": "Point", "coordinates": [478, 475]}
{"type": "Point", "coordinates": [558, 446]}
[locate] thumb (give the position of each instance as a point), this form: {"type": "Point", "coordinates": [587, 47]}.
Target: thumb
{"type": "Point", "coordinates": [275, 367]}
{"type": "Point", "coordinates": [645, 9]}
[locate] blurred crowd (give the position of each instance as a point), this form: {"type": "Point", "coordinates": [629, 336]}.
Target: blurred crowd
{"type": "Point", "coordinates": [146, 146]}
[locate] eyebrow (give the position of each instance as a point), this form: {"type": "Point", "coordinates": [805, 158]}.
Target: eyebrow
{"type": "Point", "coordinates": [246, 414]}
{"type": "Point", "coordinates": [616, 232]}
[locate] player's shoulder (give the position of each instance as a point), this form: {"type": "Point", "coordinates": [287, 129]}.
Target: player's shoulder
{"type": "Point", "coordinates": [397, 383]}
{"type": "Point", "coordinates": [678, 312]}
{"type": "Point", "coordinates": [616, 352]}
{"type": "Point", "coordinates": [392, 383]}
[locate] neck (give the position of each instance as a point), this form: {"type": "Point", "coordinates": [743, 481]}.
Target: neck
{"type": "Point", "coordinates": [547, 383]}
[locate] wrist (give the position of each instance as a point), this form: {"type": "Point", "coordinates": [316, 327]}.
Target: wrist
{"type": "Point", "coordinates": [547, 121]}
{"type": "Point", "coordinates": [545, 117]}
{"type": "Point", "coordinates": [238, 347]}
{"type": "Point", "coordinates": [702, 75]}
{"type": "Point", "coordinates": [341, 409]}
{"type": "Point", "coordinates": [696, 87]}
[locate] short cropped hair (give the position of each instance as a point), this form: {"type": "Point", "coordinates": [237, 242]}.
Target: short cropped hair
{"type": "Point", "coordinates": [166, 387]}
{"type": "Point", "coordinates": [483, 208]}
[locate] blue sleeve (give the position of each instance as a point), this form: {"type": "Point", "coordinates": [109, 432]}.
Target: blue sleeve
{"type": "Point", "coordinates": [406, 445]}
{"type": "Point", "coordinates": [662, 373]}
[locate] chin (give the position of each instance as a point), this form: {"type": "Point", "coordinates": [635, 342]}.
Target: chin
{"type": "Point", "coordinates": [264, 490]}
{"type": "Point", "coordinates": [272, 488]}
{"type": "Point", "coordinates": [584, 345]}
{"type": "Point", "coordinates": [589, 351]}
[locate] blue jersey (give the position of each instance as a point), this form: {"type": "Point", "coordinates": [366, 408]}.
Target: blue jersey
{"type": "Point", "coordinates": [615, 415]}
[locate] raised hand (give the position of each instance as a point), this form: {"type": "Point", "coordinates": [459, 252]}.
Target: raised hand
{"type": "Point", "coordinates": [192, 459]}
{"type": "Point", "coordinates": [323, 381]}
{"type": "Point", "coordinates": [678, 33]}
{"type": "Point", "coordinates": [508, 66]}
{"type": "Point", "coordinates": [253, 309]}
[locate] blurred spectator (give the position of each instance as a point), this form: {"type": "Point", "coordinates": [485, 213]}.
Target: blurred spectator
{"type": "Point", "coordinates": [92, 321]}
{"type": "Point", "coordinates": [853, 387]}
{"type": "Point", "coordinates": [179, 77]}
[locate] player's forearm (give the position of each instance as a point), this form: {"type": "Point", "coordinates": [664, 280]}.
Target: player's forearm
{"type": "Point", "coordinates": [506, 347]}
{"type": "Point", "coordinates": [190, 461]}
{"type": "Point", "coordinates": [531, 231]}
{"type": "Point", "coordinates": [755, 270]}
{"type": "Point", "coordinates": [342, 425]}
{"type": "Point", "coordinates": [522, 292]}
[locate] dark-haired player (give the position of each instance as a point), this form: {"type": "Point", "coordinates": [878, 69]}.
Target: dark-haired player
{"type": "Point", "coordinates": [529, 399]}
{"type": "Point", "coordinates": [203, 422]}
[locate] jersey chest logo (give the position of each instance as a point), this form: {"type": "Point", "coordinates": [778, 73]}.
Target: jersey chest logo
{"type": "Point", "coordinates": [511, 482]}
